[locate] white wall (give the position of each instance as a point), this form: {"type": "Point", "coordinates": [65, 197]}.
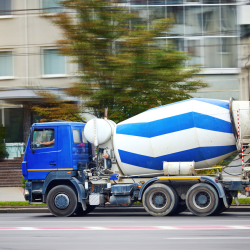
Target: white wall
{"type": "Point", "coordinates": [244, 14]}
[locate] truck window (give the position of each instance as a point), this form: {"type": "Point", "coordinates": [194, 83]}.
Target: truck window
{"type": "Point", "coordinates": [76, 136]}
{"type": "Point", "coordinates": [43, 138]}
{"type": "Point", "coordinates": [84, 140]}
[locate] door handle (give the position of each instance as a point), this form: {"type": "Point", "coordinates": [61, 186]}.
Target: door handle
{"type": "Point", "coordinates": [52, 163]}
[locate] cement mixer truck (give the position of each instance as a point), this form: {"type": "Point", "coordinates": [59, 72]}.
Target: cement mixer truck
{"type": "Point", "coordinates": [154, 158]}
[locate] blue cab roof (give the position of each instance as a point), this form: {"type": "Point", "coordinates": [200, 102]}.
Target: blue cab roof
{"type": "Point", "coordinates": [45, 124]}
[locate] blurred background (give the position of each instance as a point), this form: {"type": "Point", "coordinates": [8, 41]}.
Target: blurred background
{"type": "Point", "coordinates": [216, 34]}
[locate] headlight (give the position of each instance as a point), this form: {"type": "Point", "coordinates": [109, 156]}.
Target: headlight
{"type": "Point", "coordinates": [26, 192]}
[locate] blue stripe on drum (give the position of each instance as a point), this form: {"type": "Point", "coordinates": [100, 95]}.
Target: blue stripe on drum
{"type": "Point", "coordinates": [195, 154]}
{"type": "Point", "coordinates": [174, 124]}
{"type": "Point", "coordinates": [222, 104]}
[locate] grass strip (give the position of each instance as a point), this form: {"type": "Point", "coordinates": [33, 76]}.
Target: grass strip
{"type": "Point", "coordinates": [18, 204]}
{"type": "Point", "coordinates": [243, 201]}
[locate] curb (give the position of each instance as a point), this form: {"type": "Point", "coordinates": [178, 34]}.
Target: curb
{"type": "Point", "coordinates": [104, 209]}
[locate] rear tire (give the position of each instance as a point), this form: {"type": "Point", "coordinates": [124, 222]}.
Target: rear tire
{"type": "Point", "coordinates": [221, 207]}
{"type": "Point", "coordinates": [202, 199]}
{"type": "Point", "coordinates": [179, 209]}
{"type": "Point", "coordinates": [62, 201]}
{"type": "Point", "coordinates": [80, 212]}
{"type": "Point", "coordinates": [160, 200]}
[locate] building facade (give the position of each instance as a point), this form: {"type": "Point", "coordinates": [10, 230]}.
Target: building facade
{"type": "Point", "coordinates": [244, 56]}
{"type": "Point", "coordinates": [29, 58]}
{"type": "Point", "coordinates": [244, 76]}
{"type": "Point", "coordinates": [208, 31]}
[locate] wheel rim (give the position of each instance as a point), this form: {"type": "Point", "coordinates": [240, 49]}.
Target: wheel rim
{"type": "Point", "coordinates": [158, 200]}
{"type": "Point", "coordinates": [202, 199]}
{"type": "Point", "coordinates": [61, 201]}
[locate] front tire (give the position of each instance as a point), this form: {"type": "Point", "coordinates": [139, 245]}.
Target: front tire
{"type": "Point", "coordinates": [160, 200]}
{"type": "Point", "coordinates": [80, 212]}
{"type": "Point", "coordinates": [62, 201]}
{"type": "Point", "coordinates": [202, 199]}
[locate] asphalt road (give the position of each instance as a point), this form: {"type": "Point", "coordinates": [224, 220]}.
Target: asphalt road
{"type": "Point", "coordinates": [124, 231]}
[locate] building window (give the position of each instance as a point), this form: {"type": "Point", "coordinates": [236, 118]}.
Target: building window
{"type": "Point", "coordinates": [138, 2]}
{"type": "Point", "coordinates": [176, 13]}
{"type": "Point", "coordinates": [212, 53]}
{"type": "Point", "coordinates": [228, 20]}
{"type": "Point", "coordinates": [228, 1]}
{"type": "Point", "coordinates": [193, 1]}
{"type": "Point", "coordinates": [176, 43]}
{"type": "Point", "coordinates": [211, 20]}
{"type": "Point", "coordinates": [211, 1]}
{"type": "Point", "coordinates": [13, 121]}
{"type": "Point", "coordinates": [155, 12]}
{"type": "Point", "coordinates": [51, 6]}
{"type": "Point", "coordinates": [6, 64]}
{"type": "Point", "coordinates": [193, 19]}
{"type": "Point", "coordinates": [156, 2]}
{"type": "Point", "coordinates": [54, 64]}
{"type": "Point", "coordinates": [141, 15]}
{"type": "Point", "coordinates": [5, 8]}
{"type": "Point", "coordinates": [229, 52]}
{"type": "Point", "coordinates": [194, 50]}
{"type": "Point", "coordinates": [174, 1]}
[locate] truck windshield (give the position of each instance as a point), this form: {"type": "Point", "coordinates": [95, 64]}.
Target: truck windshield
{"type": "Point", "coordinates": [43, 138]}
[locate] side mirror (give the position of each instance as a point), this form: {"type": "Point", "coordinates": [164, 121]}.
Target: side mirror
{"type": "Point", "coordinates": [32, 150]}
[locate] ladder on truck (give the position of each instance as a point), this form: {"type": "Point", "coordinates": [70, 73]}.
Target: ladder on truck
{"type": "Point", "coordinates": [243, 142]}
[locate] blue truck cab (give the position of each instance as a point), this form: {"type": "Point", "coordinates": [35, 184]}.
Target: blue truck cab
{"type": "Point", "coordinates": [55, 153]}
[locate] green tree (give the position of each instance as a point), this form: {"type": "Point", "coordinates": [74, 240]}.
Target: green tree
{"type": "Point", "coordinates": [121, 64]}
{"type": "Point", "coordinates": [54, 107]}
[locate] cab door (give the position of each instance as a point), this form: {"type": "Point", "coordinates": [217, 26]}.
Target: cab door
{"type": "Point", "coordinates": [42, 153]}
{"type": "Point", "coordinates": [80, 153]}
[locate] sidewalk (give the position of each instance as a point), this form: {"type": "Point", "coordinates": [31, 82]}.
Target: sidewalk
{"type": "Point", "coordinates": [11, 194]}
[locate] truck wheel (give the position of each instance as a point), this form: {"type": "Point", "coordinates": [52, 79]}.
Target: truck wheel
{"type": "Point", "coordinates": [179, 209]}
{"type": "Point", "coordinates": [160, 199]}
{"type": "Point", "coordinates": [80, 212]}
{"type": "Point", "coordinates": [221, 207]}
{"type": "Point", "coordinates": [202, 199]}
{"type": "Point", "coordinates": [62, 201]}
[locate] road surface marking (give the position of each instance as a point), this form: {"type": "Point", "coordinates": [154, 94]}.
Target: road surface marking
{"type": "Point", "coordinates": [237, 227]}
{"type": "Point", "coordinates": [167, 227]}
{"type": "Point", "coordinates": [26, 228]}
{"type": "Point", "coordinates": [240, 227]}
{"type": "Point", "coordinates": [97, 228]}
{"type": "Point", "coordinates": [211, 238]}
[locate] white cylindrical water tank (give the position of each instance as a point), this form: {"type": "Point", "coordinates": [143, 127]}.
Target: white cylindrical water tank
{"type": "Point", "coordinates": [178, 168]}
{"type": "Point", "coordinates": [98, 131]}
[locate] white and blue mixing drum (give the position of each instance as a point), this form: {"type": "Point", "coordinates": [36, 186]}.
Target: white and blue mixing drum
{"type": "Point", "coordinates": [196, 130]}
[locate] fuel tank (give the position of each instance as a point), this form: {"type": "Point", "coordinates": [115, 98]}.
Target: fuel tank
{"type": "Point", "coordinates": [198, 130]}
